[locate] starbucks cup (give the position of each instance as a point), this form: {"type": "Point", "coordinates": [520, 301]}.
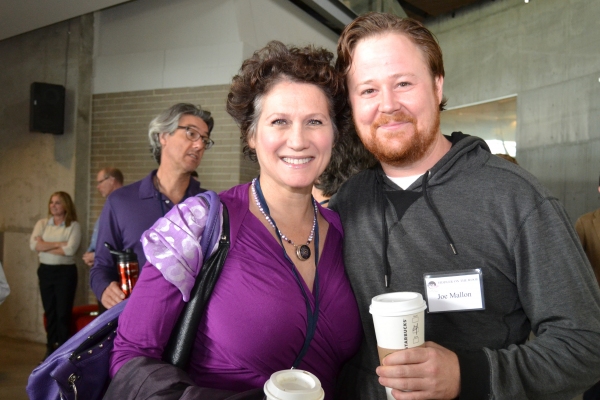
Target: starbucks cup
{"type": "Point", "coordinates": [399, 320]}
{"type": "Point", "coordinates": [293, 384]}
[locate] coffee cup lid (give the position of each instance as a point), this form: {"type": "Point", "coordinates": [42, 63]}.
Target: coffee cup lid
{"type": "Point", "coordinates": [294, 384]}
{"type": "Point", "coordinates": [398, 303]}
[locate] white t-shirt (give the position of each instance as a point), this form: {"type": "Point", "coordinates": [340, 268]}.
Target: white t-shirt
{"type": "Point", "coordinates": [53, 233]}
{"type": "Point", "coordinates": [406, 181]}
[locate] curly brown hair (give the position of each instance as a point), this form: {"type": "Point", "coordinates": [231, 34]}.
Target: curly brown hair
{"type": "Point", "coordinates": [376, 23]}
{"type": "Point", "coordinates": [348, 157]}
{"type": "Point", "coordinates": [275, 63]}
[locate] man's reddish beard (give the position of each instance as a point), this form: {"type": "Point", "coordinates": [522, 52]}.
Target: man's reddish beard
{"type": "Point", "coordinates": [412, 149]}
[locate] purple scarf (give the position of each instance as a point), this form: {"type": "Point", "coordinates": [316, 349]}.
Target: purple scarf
{"type": "Point", "coordinates": [172, 244]}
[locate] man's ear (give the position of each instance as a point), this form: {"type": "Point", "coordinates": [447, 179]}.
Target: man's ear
{"type": "Point", "coordinates": [162, 138]}
{"type": "Point", "coordinates": [439, 88]}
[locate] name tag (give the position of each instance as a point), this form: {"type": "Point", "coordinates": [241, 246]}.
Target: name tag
{"type": "Point", "coordinates": [454, 291]}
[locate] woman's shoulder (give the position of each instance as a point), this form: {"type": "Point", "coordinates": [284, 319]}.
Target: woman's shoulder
{"type": "Point", "coordinates": [236, 194]}
{"type": "Point", "coordinates": [42, 222]}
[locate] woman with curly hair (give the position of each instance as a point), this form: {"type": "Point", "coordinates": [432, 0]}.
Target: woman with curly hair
{"type": "Point", "coordinates": [283, 299]}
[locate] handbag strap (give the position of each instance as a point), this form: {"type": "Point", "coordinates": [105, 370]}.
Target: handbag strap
{"type": "Point", "coordinates": [179, 348]}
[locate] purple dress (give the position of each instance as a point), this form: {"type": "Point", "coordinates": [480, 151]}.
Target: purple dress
{"type": "Point", "coordinates": [256, 322]}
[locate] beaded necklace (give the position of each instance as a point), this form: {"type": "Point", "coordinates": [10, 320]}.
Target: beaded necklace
{"type": "Point", "coordinates": [302, 251]}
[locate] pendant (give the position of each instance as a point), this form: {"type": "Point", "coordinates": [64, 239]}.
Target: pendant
{"type": "Point", "coordinates": [303, 252]}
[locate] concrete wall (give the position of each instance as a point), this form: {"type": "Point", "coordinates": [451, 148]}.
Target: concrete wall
{"type": "Point", "coordinates": [34, 165]}
{"type": "Point", "coordinates": [158, 44]}
{"type": "Point", "coordinates": [548, 53]}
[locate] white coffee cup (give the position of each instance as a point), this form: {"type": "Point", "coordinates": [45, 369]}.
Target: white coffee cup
{"type": "Point", "coordinates": [399, 320]}
{"type": "Point", "coordinates": [293, 384]}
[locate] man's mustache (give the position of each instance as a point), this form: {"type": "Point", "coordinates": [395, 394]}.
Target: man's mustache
{"type": "Point", "coordinates": [398, 117]}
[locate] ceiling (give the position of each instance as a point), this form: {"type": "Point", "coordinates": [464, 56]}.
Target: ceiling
{"type": "Point", "coordinates": [20, 16]}
{"type": "Point", "coordinates": [424, 9]}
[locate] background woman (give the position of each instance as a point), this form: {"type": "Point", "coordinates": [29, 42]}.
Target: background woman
{"type": "Point", "coordinates": [56, 239]}
{"type": "Point", "coordinates": [283, 281]}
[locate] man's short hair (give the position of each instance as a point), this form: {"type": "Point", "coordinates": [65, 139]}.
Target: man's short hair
{"type": "Point", "coordinates": [114, 173]}
{"type": "Point", "coordinates": [168, 120]}
{"type": "Point", "coordinates": [373, 24]}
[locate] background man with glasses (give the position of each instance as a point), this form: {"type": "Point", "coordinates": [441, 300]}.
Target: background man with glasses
{"type": "Point", "coordinates": [178, 138]}
{"type": "Point", "coordinates": [108, 180]}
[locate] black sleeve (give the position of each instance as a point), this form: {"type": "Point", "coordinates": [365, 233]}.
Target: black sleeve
{"type": "Point", "coordinates": [150, 379]}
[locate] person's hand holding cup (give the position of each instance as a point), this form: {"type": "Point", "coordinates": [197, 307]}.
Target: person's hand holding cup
{"type": "Point", "coordinates": [399, 320]}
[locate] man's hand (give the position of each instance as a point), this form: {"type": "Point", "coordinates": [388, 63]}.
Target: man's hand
{"type": "Point", "coordinates": [88, 258]}
{"type": "Point", "coordinates": [112, 295]}
{"type": "Point", "coordinates": [426, 372]}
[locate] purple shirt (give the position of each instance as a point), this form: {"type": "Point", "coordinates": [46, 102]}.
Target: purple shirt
{"type": "Point", "coordinates": [127, 213]}
{"type": "Point", "coordinates": [255, 322]}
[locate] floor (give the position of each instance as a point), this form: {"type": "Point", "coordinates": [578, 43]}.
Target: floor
{"type": "Point", "coordinates": [17, 359]}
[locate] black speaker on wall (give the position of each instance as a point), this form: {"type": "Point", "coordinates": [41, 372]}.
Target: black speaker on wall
{"type": "Point", "coordinates": [47, 108]}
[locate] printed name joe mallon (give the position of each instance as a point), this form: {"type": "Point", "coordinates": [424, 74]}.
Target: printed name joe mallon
{"type": "Point", "coordinates": [454, 295]}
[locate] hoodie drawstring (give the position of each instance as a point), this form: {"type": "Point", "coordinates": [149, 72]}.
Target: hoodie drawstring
{"type": "Point", "coordinates": [437, 214]}
{"type": "Point", "coordinates": [387, 269]}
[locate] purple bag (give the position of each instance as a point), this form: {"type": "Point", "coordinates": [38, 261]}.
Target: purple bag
{"type": "Point", "coordinates": [79, 368]}
{"type": "Point", "coordinates": [88, 350]}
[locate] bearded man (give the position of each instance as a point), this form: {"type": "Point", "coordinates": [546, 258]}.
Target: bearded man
{"type": "Point", "coordinates": [492, 252]}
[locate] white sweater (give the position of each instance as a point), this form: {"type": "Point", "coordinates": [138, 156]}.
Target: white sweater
{"type": "Point", "coordinates": [53, 233]}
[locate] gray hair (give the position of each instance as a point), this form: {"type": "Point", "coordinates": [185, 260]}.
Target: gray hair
{"type": "Point", "coordinates": [168, 120]}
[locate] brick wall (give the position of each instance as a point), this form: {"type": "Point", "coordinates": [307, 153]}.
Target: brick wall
{"type": "Point", "coordinates": [120, 138]}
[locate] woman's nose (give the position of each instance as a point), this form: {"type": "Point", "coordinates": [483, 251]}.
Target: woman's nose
{"type": "Point", "coordinates": [298, 139]}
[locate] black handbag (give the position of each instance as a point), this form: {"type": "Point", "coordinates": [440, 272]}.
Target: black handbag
{"type": "Point", "coordinates": [179, 348]}
{"type": "Point", "coordinates": [79, 368]}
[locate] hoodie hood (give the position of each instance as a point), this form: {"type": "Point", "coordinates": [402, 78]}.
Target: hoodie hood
{"type": "Point", "coordinates": [458, 161]}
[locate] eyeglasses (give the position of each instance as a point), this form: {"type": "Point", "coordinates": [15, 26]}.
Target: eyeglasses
{"type": "Point", "coordinates": [193, 134]}
{"type": "Point", "coordinates": [99, 182]}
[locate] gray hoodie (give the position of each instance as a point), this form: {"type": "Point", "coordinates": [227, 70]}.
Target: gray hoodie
{"type": "Point", "coordinates": [474, 210]}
